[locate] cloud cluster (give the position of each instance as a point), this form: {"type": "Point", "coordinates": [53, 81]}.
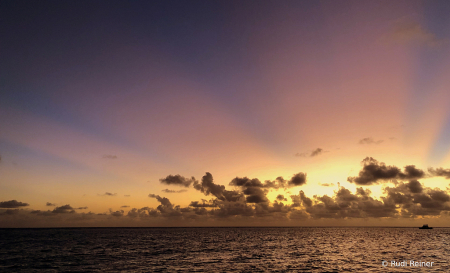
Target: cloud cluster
{"type": "Point", "coordinates": [440, 172]}
{"type": "Point", "coordinates": [207, 186]}
{"type": "Point", "coordinates": [177, 180]}
{"type": "Point", "coordinates": [248, 201]}
{"type": "Point", "coordinates": [374, 172]}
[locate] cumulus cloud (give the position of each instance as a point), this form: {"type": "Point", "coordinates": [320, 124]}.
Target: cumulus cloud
{"type": "Point", "coordinates": [117, 213]}
{"type": "Point", "coordinates": [110, 156]}
{"type": "Point", "coordinates": [197, 204]}
{"type": "Point", "coordinates": [177, 180]}
{"type": "Point", "coordinates": [142, 212]}
{"type": "Point", "coordinates": [298, 179]}
{"type": "Point", "coordinates": [246, 182]}
{"type": "Point", "coordinates": [440, 172]}
{"type": "Point", "coordinates": [63, 209]}
{"type": "Point", "coordinates": [373, 172]}
{"type": "Point", "coordinates": [167, 209]}
{"type": "Point", "coordinates": [416, 200]}
{"type": "Point", "coordinates": [12, 204]}
{"type": "Point", "coordinates": [280, 197]}
{"type": "Point", "coordinates": [255, 191]}
{"type": "Point", "coordinates": [248, 202]}
{"type": "Point", "coordinates": [369, 140]}
{"type": "Point", "coordinates": [255, 195]}
{"type": "Point", "coordinates": [207, 186]}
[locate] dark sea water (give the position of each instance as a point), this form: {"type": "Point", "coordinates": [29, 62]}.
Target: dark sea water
{"type": "Point", "coordinates": [223, 249]}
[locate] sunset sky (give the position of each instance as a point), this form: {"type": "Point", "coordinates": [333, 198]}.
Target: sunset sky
{"type": "Point", "coordinates": [188, 113]}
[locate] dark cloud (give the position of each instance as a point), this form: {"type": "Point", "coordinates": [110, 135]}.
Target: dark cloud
{"type": "Point", "coordinates": [440, 172]}
{"type": "Point", "coordinates": [369, 140]}
{"type": "Point", "coordinates": [163, 200]}
{"type": "Point", "coordinates": [316, 152]}
{"type": "Point", "coordinates": [245, 182]}
{"type": "Point", "coordinates": [277, 210]}
{"type": "Point", "coordinates": [108, 194]}
{"type": "Point", "coordinates": [63, 209]}
{"type": "Point", "coordinates": [280, 197]}
{"type": "Point", "coordinates": [142, 212]}
{"type": "Point", "coordinates": [172, 191]}
{"type": "Point", "coordinates": [232, 209]}
{"type": "Point", "coordinates": [48, 204]}
{"type": "Point", "coordinates": [82, 208]}
{"type": "Point", "coordinates": [254, 190]}
{"type": "Point", "coordinates": [124, 206]}
{"type": "Point", "coordinates": [166, 209]}
{"type": "Point", "coordinates": [177, 180]}
{"type": "Point", "coordinates": [301, 199]}
{"type": "Point", "coordinates": [298, 179]}
{"type": "Point", "coordinates": [373, 172]}
{"type": "Point", "coordinates": [11, 204]}
{"type": "Point", "coordinates": [207, 186]}
{"type": "Point", "coordinates": [9, 212]}
{"type": "Point", "coordinates": [117, 213]}
{"type": "Point", "coordinates": [414, 186]}
{"type": "Point", "coordinates": [109, 156]}
{"type": "Point", "coordinates": [298, 215]}
{"type": "Point", "coordinates": [415, 200]}
{"type": "Point", "coordinates": [255, 195]}
{"type": "Point", "coordinates": [411, 172]}
{"type": "Point", "coordinates": [313, 153]}
{"type": "Point", "coordinates": [197, 204]}
{"type": "Point", "coordinates": [306, 201]}
{"type": "Point", "coordinates": [347, 205]}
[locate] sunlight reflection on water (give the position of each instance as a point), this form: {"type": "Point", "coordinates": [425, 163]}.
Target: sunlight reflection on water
{"type": "Point", "coordinates": [222, 249]}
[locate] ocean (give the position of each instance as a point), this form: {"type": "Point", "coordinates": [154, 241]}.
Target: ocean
{"type": "Point", "coordinates": [239, 249]}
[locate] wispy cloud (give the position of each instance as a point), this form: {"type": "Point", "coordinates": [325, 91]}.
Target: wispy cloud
{"type": "Point", "coordinates": [108, 194]}
{"type": "Point", "coordinates": [110, 156]}
{"type": "Point", "coordinates": [312, 153]}
{"type": "Point", "coordinates": [369, 140]}
{"type": "Point", "coordinates": [407, 31]}
{"type": "Point", "coordinates": [172, 191]}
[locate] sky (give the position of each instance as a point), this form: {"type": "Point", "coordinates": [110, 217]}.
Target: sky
{"type": "Point", "coordinates": [224, 113]}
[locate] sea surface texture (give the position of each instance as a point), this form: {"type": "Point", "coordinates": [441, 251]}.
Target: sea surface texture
{"type": "Point", "coordinates": [223, 249]}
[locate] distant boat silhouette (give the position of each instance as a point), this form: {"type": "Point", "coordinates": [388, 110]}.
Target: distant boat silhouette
{"type": "Point", "coordinates": [425, 227]}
